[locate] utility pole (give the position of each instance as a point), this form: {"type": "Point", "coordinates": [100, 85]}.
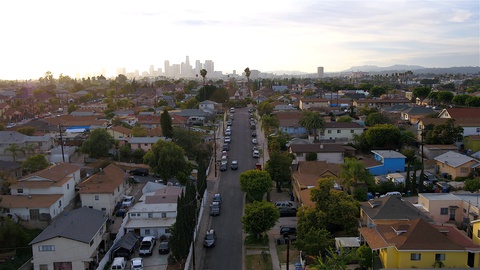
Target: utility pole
{"type": "Point", "coordinates": [215, 147]}
{"type": "Point", "coordinates": [61, 141]}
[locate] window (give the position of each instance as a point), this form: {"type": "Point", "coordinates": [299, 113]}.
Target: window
{"type": "Point", "coordinates": [150, 215]}
{"type": "Point", "coordinates": [415, 257]}
{"type": "Point", "coordinates": [43, 267]}
{"type": "Point", "coordinates": [167, 230]}
{"type": "Point", "coordinates": [339, 131]}
{"type": "Point", "coordinates": [19, 190]}
{"type": "Point", "coordinates": [440, 257]}
{"type": "Point", "coordinates": [97, 197]}
{"type": "Point", "coordinates": [46, 248]}
{"type": "Point", "coordinates": [329, 131]}
{"type": "Point", "coordinates": [60, 203]}
{"type": "Point", "coordinates": [443, 211]}
{"type": "Point", "coordinates": [464, 170]}
{"type": "Point", "coordinates": [68, 186]}
{"type": "Point", "coordinates": [164, 215]}
{"type": "Point", "coordinates": [91, 242]}
{"type": "Point", "coordinates": [147, 231]}
{"type": "Point", "coordinates": [352, 131]}
{"type": "Point", "coordinates": [104, 209]}
{"type": "Point", "coordinates": [478, 233]}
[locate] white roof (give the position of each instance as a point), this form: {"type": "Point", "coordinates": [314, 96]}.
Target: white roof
{"type": "Point", "coordinates": [388, 153]}
{"type": "Point", "coordinates": [454, 159]}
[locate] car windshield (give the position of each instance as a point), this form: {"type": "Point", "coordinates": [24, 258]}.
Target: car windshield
{"type": "Point", "coordinates": [209, 236]}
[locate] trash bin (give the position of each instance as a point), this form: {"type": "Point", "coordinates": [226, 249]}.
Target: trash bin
{"type": "Point", "coordinates": [298, 266]}
{"type": "Point", "coordinates": [408, 193]}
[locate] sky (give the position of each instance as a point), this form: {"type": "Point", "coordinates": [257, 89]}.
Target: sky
{"type": "Point", "coordinates": [83, 37]}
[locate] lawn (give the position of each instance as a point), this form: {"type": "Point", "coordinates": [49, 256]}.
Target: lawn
{"type": "Point", "coordinates": [258, 262]}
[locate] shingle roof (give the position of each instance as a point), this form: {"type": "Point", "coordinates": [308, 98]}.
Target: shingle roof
{"type": "Point", "coordinates": [55, 175]}
{"type": "Point", "coordinates": [391, 208]}
{"type": "Point", "coordinates": [343, 125]}
{"type": "Point", "coordinates": [31, 201]}
{"type": "Point", "coordinates": [122, 129]}
{"type": "Point", "coordinates": [317, 148]}
{"type": "Point", "coordinates": [149, 140]}
{"type": "Point", "coordinates": [104, 181]}
{"type": "Point", "coordinates": [463, 112]}
{"type": "Point", "coordinates": [388, 153]}
{"type": "Point", "coordinates": [80, 224]}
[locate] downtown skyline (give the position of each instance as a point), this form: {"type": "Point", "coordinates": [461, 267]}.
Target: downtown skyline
{"type": "Point", "coordinates": [86, 37]}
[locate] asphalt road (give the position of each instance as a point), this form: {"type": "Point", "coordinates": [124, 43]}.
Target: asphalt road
{"type": "Point", "coordinates": [227, 253]}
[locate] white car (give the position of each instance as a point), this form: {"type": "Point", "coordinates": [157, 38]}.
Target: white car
{"type": "Point", "coordinates": [136, 264]}
{"type": "Point", "coordinates": [227, 139]}
{"type": "Point", "coordinates": [256, 154]}
{"type": "Point", "coordinates": [128, 201]}
{"type": "Point", "coordinates": [254, 141]}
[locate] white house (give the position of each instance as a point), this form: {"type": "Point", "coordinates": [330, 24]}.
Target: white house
{"type": "Point", "coordinates": [42, 195]}
{"type": "Point", "coordinates": [331, 153]}
{"type": "Point", "coordinates": [154, 213]}
{"type": "Point", "coordinates": [340, 131]}
{"type": "Point", "coordinates": [104, 189]}
{"type": "Point", "coordinates": [72, 241]}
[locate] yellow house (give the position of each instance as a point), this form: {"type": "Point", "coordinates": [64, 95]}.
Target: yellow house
{"type": "Point", "coordinates": [420, 244]}
{"type": "Point", "coordinates": [476, 231]}
{"type": "Point", "coordinates": [455, 164]}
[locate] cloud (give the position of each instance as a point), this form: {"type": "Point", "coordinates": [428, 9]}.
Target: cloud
{"type": "Point", "coordinates": [460, 15]}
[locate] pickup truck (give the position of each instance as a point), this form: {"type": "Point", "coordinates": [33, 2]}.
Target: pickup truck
{"type": "Point", "coordinates": [147, 245]}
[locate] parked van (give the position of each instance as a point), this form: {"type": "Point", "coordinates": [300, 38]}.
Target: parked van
{"type": "Point", "coordinates": [119, 263]}
{"type": "Point", "coordinates": [392, 193]}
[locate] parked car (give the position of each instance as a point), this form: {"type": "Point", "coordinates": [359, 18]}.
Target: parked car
{"type": "Point", "coordinates": [136, 264]}
{"type": "Point", "coordinates": [134, 179]}
{"type": "Point", "coordinates": [254, 134]}
{"type": "Point", "coordinates": [164, 247]}
{"type": "Point", "coordinates": [250, 110]}
{"type": "Point", "coordinates": [256, 154]}
{"type": "Point", "coordinates": [287, 211]}
{"type": "Point", "coordinates": [430, 177]}
{"type": "Point", "coordinates": [288, 230]}
{"type": "Point", "coordinates": [128, 201]}
{"type": "Point", "coordinates": [223, 166]}
{"type": "Point", "coordinates": [226, 147]}
{"type": "Point", "coordinates": [139, 171]}
{"type": "Point", "coordinates": [232, 109]}
{"type": "Point", "coordinates": [289, 204]}
{"type": "Point", "coordinates": [234, 165]}
{"type": "Point", "coordinates": [210, 238]}
{"type": "Point", "coordinates": [215, 209]}
{"type": "Point", "coordinates": [119, 263]}
{"type": "Point", "coordinates": [254, 141]}
{"type": "Point", "coordinates": [147, 245]}
{"type": "Point", "coordinates": [227, 139]}
{"type": "Point", "coordinates": [217, 198]}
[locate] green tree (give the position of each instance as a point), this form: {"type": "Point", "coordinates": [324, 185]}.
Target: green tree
{"type": "Point", "coordinates": [334, 260]}
{"type": "Point", "coordinates": [353, 172]}
{"type": "Point", "coordinates": [345, 118]}
{"type": "Point", "coordinates": [278, 166]}
{"type": "Point", "coordinates": [445, 97]}
{"type": "Point", "coordinates": [139, 131]}
{"type": "Point", "coordinates": [311, 156]}
{"type": "Point", "coordinates": [166, 124]}
{"type": "Point", "coordinates": [203, 73]}
{"type": "Point", "coordinates": [265, 107]}
{"type": "Point", "coordinates": [421, 92]}
{"type": "Point", "coordinates": [98, 144]}
{"type": "Point", "coordinates": [460, 99]}
{"type": "Point", "coordinates": [202, 177]}
{"type": "Point", "coordinates": [14, 149]}
{"type": "Point", "coordinates": [383, 136]}
{"type": "Point", "coordinates": [312, 121]}
{"type": "Point", "coordinates": [377, 91]}
{"type": "Point", "coordinates": [137, 155]}
{"type": "Point", "coordinates": [71, 108]}
{"type": "Point", "coordinates": [377, 118]}
{"type": "Point", "coordinates": [472, 185]}
{"type": "Point", "coordinates": [446, 133]}
{"type": "Point", "coordinates": [35, 163]}
{"type": "Point", "coordinates": [27, 130]}
{"type": "Point", "coordinates": [255, 184]}
{"type": "Point", "coordinates": [312, 237]}
{"type": "Point", "coordinates": [259, 217]}
{"type": "Point", "coordinates": [269, 123]}
{"type": "Point", "coordinates": [167, 159]}
{"type": "Point", "coordinates": [190, 104]}
{"type": "Point", "coordinates": [364, 257]}
{"type": "Point", "coordinates": [247, 74]}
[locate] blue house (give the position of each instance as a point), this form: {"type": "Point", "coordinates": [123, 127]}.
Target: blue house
{"type": "Point", "coordinates": [390, 162]}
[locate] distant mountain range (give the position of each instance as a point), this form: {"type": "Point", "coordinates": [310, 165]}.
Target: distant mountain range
{"type": "Point", "coordinates": [390, 69]}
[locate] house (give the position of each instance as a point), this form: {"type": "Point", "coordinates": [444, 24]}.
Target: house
{"type": "Point", "coordinates": [472, 143]}
{"type": "Point", "coordinates": [42, 195]}
{"type": "Point", "coordinates": [154, 213]}
{"type": "Point", "coordinates": [442, 207]}
{"type": "Point", "coordinates": [379, 103]}
{"type": "Point", "coordinates": [11, 169]}
{"type": "Point", "coordinates": [388, 210]}
{"type": "Point", "coordinates": [430, 151]}
{"type": "Point", "coordinates": [62, 154]}
{"type": "Point", "coordinates": [309, 103]}
{"type": "Point", "coordinates": [72, 241]}
{"type": "Point", "coordinates": [476, 231]}
{"type": "Point", "coordinates": [103, 190]}
{"type": "Point", "coordinates": [420, 244]}
{"type": "Point", "coordinates": [288, 122]}
{"type": "Point", "coordinates": [195, 116]}
{"type": "Point", "coordinates": [459, 113]}
{"type": "Point", "coordinates": [144, 143]}
{"type": "Point", "coordinates": [148, 121]}
{"type": "Point", "coordinates": [306, 175]}
{"type": "Point", "coordinates": [15, 146]}
{"type": "Point", "coordinates": [413, 114]}
{"type": "Point", "coordinates": [120, 132]}
{"type": "Point", "coordinates": [455, 165]}
{"type": "Point", "coordinates": [331, 153]}
{"type": "Point", "coordinates": [387, 161]}
{"type": "Point", "coordinates": [208, 106]}
{"type": "Point", "coordinates": [125, 246]}
{"type": "Point", "coordinates": [340, 131]}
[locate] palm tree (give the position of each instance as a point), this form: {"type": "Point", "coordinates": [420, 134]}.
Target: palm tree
{"type": "Point", "coordinates": [247, 73]}
{"type": "Point", "coordinates": [14, 148]}
{"type": "Point", "coordinates": [312, 121]}
{"type": "Point", "coordinates": [30, 149]}
{"type": "Point", "coordinates": [203, 73]}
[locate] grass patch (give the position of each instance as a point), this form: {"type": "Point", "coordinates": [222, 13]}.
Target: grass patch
{"type": "Point", "coordinates": [258, 262]}
{"type": "Point", "coordinates": [294, 254]}
{"type": "Point", "coordinates": [252, 241]}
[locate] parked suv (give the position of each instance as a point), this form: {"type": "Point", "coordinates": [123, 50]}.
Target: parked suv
{"type": "Point", "coordinates": [210, 238]}
{"type": "Point", "coordinates": [139, 171]}
{"type": "Point", "coordinates": [215, 209]}
{"type": "Point", "coordinates": [288, 230]}
{"type": "Point", "coordinates": [146, 247]}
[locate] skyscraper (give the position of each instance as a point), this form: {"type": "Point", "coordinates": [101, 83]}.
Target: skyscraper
{"type": "Point", "coordinates": [320, 72]}
{"type": "Point", "coordinates": [209, 67]}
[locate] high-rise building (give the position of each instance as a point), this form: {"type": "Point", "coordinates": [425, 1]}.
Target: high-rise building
{"type": "Point", "coordinates": [198, 67]}
{"type": "Point", "coordinates": [320, 72]}
{"type": "Point", "coordinates": [209, 66]}
{"type": "Point", "coordinates": [151, 72]}
{"type": "Point", "coordinates": [186, 69]}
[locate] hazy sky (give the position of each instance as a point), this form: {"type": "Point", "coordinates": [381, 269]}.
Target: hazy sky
{"type": "Point", "coordinates": [75, 36]}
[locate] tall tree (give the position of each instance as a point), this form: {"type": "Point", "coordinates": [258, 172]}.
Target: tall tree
{"type": "Point", "coordinates": [247, 74]}
{"type": "Point", "coordinates": [278, 166]}
{"type": "Point", "coordinates": [269, 122]}
{"type": "Point", "coordinates": [14, 149]}
{"type": "Point", "coordinates": [422, 92]}
{"type": "Point", "coordinates": [255, 184]}
{"type": "Point", "coordinates": [312, 121]}
{"type": "Point", "coordinates": [98, 144]}
{"type": "Point", "coordinates": [203, 73]}
{"type": "Point", "coordinates": [167, 159]}
{"type": "Point", "coordinates": [166, 124]}
{"type": "Point", "coordinates": [259, 217]}
{"type": "Point", "coordinates": [446, 133]}
{"type": "Point", "coordinates": [353, 172]}
{"type": "Point", "coordinates": [35, 163]}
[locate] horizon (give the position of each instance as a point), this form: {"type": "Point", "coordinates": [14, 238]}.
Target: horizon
{"type": "Point", "coordinates": [85, 37]}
